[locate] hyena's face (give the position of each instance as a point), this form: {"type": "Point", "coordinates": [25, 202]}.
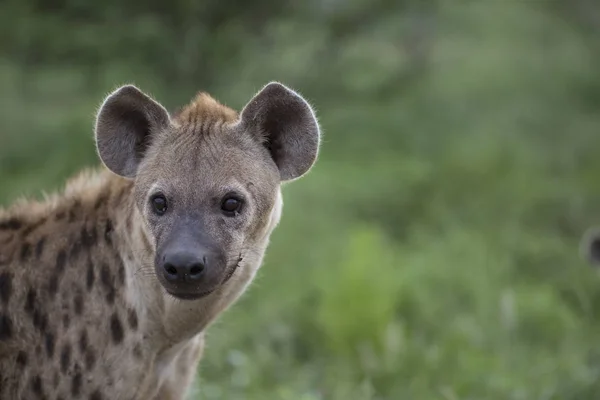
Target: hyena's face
{"type": "Point", "coordinates": [207, 182]}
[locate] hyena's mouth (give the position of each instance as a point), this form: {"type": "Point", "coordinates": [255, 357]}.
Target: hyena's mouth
{"type": "Point", "coordinates": [198, 295]}
{"type": "Point", "coordinates": [190, 296]}
{"type": "Point", "coordinates": [232, 270]}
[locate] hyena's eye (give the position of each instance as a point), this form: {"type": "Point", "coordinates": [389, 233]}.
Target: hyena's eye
{"type": "Point", "coordinates": [159, 203]}
{"type": "Point", "coordinates": [231, 205]}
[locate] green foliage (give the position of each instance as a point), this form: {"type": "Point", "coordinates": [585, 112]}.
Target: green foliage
{"type": "Point", "coordinates": [432, 252]}
{"type": "Point", "coordinates": [357, 294]}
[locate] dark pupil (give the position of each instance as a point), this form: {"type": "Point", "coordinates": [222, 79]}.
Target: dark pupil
{"type": "Point", "coordinates": [160, 204]}
{"type": "Point", "coordinates": [231, 205]}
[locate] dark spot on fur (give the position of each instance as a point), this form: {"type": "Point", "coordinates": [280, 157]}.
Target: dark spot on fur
{"type": "Point", "coordinates": [107, 282]}
{"type": "Point", "coordinates": [105, 275]}
{"type": "Point", "coordinates": [22, 359]}
{"type": "Point", "coordinates": [36, 385]}
{"type": "Point", "coordinates": [3, 259]}
{"type": "Point", "coordinates": [53, 285]}
{"type": "Point", "coordinates": [49, 341]}
{"type": "Point", "coordinates": [75, 248]}
{"type": "Point", "coordinates": [65, 358]}
{"type": "Point", "coordinates": [5, 286]}
{"type": "Point", "coordinates": [66, 320]}
{"type": "Point", "coordinates": [110, 296]}
{"type": "Point", "coordinates": [90, 359]}
{"type": "Point", "coordinates": [96, 395]}
{"type": "Point", "coordinates": [30, 301]}
{"type": "Point", "coordinates": [61, 259]}
{"type": "Point", "coordinates": [64, 297]}
{"type": "Point", "coordinates": [100, 200]}
{"type": "Point", "coordinates": [60, 215]}
{"type": "Point", "coordinates": [73, 210]}
{"type": "Point", "coordinates": [128, 222]}
{"type": "Point", "coordinates": [78, 303]}
{"type": "Point", "coordinates": [108, 230]}
{"type": "Point", "coordinates": [25, 251]}
{"type": "Point", "coordinates": [11, 224]}
{"type": "Point", "coordinates": [40, 321]}
{"type": "Point", "coordinates": [116, 329]}
{"type": "Point", "coordinates": [76, 385]}
{"type": "Point", "coordinates": [121, 273]}
{"type": "Point", "coordinates": [90, 277]}
{"type": "Point", "coordinates": [88, 237]}
{"type": "Point", "coordinates": [39, 247]}
{"type": "Point", "coordinates": [6, 327]}
{"type": "Point", "coordinates": [133, 319]}
{"type": "Point", "coordinates": [56, 381]}
{"type": "Point", "coordinates": [83, 341]}
{"type": "Point", "coordinates": [27, 230]}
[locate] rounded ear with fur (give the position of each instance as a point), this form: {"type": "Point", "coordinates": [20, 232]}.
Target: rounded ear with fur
{"type": "Point", "coordinates": [125, 125]}
{"type": "Point", "coordinates": [286, 124]}
{"type": "Point", "coordinates": [590, 246]}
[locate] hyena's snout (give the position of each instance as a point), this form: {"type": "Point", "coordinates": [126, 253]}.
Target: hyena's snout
{"type": "Point", "coordinates": [184, 266]}
{"type": "Point", "coordinates": [189, 268]}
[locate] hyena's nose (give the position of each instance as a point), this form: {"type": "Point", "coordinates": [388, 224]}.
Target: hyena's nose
{"type": "Point", "coordinates": [183, 266]}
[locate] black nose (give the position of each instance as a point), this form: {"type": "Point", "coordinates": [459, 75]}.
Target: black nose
{"type": "Point", "coordinates": [183, 266]}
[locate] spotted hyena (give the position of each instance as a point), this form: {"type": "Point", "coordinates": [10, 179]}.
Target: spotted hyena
{"type": "Point", "coordinates": [107, 288]}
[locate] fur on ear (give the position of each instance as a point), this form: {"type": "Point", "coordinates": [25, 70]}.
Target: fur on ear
{"type": "Point", "coordinates": [590, 246]}
{"type": "Point", "coordinates": [287, 126]}
{"type": "Point", "coordinates": [125, 124]}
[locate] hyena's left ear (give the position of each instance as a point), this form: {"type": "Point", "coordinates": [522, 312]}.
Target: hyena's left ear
{"type": "Point", "coordinates": [287, 126]}
{"type": "Point", "coordinates": [125, 126]}
{"type": "Point", "coordinates": [590, 246]}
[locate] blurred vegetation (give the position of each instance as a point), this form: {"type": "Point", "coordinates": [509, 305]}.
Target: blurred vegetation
{"type": "Point", "coordinates": [432, 252]}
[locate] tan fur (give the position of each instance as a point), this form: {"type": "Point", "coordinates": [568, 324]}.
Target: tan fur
{"type": "Point", "coordinates": [82, 313]}
{"type": "Point", "coordinates": [206, 107]}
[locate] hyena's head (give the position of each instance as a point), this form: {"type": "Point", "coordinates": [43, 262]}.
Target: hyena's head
{"type": "Point", "coordinates": [207, 180]}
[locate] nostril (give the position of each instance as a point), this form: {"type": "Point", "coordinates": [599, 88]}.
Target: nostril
{"type": "Point", "coordinates": [171, 270]}
{"type": "Point", "coordinates": [196, 270]}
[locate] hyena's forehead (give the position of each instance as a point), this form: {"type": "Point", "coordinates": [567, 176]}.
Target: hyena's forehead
{"type": "Point", "coordinates": [206, 131]}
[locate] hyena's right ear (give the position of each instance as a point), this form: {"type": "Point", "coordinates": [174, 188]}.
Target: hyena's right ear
{"type": "Point", "coordinates": [125, 124]}
{"type": "Point", "coordinates": [590, 246]}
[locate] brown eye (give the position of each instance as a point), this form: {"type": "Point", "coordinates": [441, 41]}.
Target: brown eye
{"type": "Point", "coordinates": [231, 205]}
{"type": "Point", "coordinates": [159, 204]}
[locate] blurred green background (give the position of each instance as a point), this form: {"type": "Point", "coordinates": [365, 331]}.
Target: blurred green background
{"type": "Point", "coordinates": [432, 253]}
